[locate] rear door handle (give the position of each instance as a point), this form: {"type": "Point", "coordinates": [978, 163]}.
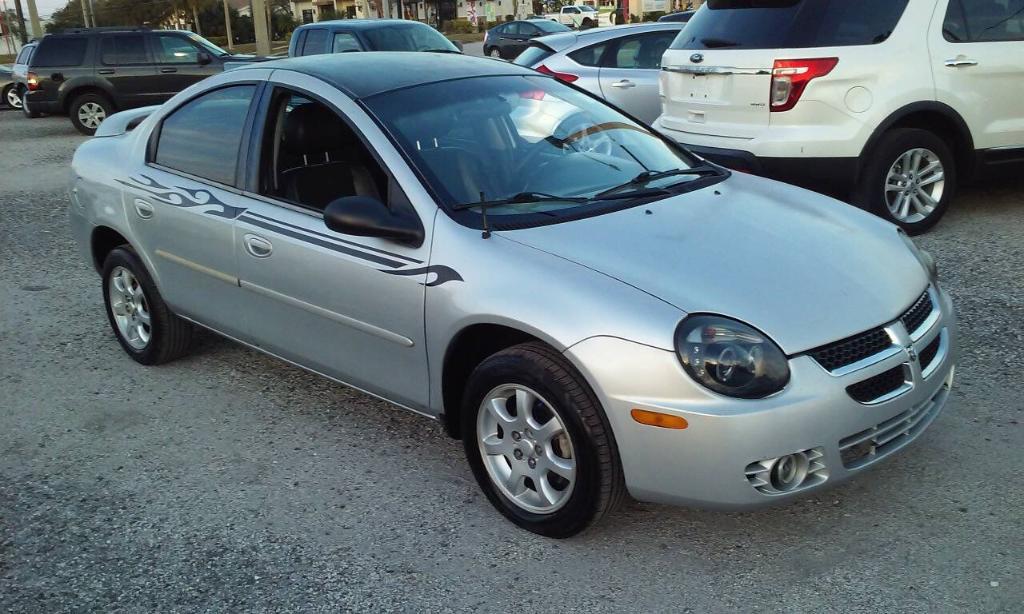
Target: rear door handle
{"type": "Point", "coordinates": [106, 71]}
{"type": "Point", "coordinates": [143, 209]}
{"type": "Point", "coordinates": [624, 84]}
{"type": "Point", "coordinates": [168, 69]}
{"type": "Point", "coordinates": [258, 246]}
{"type": "Point", "coordinates": [961, 61]}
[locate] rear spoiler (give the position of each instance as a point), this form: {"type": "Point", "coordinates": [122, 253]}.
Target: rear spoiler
{"type": "Point", "coordinates": [125, 121]}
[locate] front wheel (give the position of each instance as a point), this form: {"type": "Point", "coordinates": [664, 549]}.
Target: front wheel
{"type": "Point", "coordinates": [587, 24]}
{"type": "Point", "coordinates": [909, 180]}
{"type": "Point", "coordinates": [538, 442]}
{"type": "Point", "coordinates": [88, 111]}
{"type": "Point", "coordinates": [11, 96]}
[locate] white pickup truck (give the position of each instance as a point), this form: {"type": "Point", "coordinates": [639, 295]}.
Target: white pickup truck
{"type": "Point", "coordinates": [580, 16]}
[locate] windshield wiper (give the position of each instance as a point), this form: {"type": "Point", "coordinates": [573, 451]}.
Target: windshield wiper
{"type": "Point", "coordinates": [523, 198]}
{"type": "Point", "coordinates": [648, 176]}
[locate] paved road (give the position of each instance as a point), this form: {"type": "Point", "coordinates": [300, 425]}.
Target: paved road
{"type": "Point", "coordinates": [230, 481]}
{"type": "Point", "coordinates": [473, 49]}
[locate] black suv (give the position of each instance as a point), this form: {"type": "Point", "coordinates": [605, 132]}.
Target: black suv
{"type": "Point", "coordinates": [90, 73]}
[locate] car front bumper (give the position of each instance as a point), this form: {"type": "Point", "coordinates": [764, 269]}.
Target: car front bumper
{"type": "Point", "coordinates": [717, 461]}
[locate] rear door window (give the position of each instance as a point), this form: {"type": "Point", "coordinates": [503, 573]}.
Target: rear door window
{"type": "Point", "coordinates": [316, 42]}
{"type": "Point", "coordinates": [123, 50]}
{"type": "Point", "coordinates": [643, 51]}
{"type": "Point", "coordinates": [984, 21]}
{"type": "Point", "coordinates": [61, 51]}
{"type": "Point", "coordinates": [786, 24]}
{"type": "Point", "coordinates": [203, 136]}
{"type": "Point", "coordinates": [345, 41]}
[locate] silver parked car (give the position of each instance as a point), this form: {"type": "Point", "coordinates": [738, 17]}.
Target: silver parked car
{"type": "Point", "coordinates": [620, 64]}
{"type": "Point", "coordinates": [590, 308]}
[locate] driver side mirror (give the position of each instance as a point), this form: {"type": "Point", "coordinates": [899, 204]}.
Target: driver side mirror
{"type": "Point", "coordinates": [203, 58]}
{"type": "Point", "coordinates": [364, 216]}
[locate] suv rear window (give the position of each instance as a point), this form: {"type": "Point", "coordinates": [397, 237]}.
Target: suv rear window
{"type": "Point", "coordinates": [788, 24]}
{"type": "Point", "coordinates": [61, 51]}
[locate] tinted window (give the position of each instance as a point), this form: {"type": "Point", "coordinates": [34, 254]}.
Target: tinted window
{"type": "Point", "coordinates": [641, 51]}
{"type": "Point", "coordinates": [984, 20]}
{"type": "Point", "coordinates": [589, 56]}
{"type": "Point", "coordinates": [202, 137]}
{"type": "Point", "coordinates": [527, 29]}
{"type": "Point", "coordinates": [25, 56]}
{"type": "Point", "coordinates": [123, 50]}
{"type": "Point", "coordinates": [61, 51]}
{"type": "Point", "coordinates": [407, 38]}
{"type": "Point", "coordinates": [769, 24]}
{"type": "Point", "coordinates": [172, 49]}
{"type": "Point", "coordinates": [547, 25]}
{"type": "Point", "coordinates": [345, 41]}
{"type": "Point", "coordinates": [533, 55]}
{"type": "Point", "coordinates": [316, 42]}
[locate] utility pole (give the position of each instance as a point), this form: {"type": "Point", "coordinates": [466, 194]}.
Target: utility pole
{"type": "Point", "coordinates": [227, 26]}
{"type": "Point", "coordinates": [33, 15]}
{"type": "Point", "coordinates": [21, 22]}
{"type": "Point", "coordinates": [259, 24]}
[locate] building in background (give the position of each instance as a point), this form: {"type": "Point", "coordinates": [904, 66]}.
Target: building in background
{"type": "Point", "coordinates": [429, 11]}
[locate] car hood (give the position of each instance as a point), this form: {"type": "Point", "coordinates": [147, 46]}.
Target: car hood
{"type": "Point", "coordinates": [805, 269]}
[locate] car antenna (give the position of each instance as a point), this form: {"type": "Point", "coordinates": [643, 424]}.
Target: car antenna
{"type": "Point", "coordinates": [486, 234]}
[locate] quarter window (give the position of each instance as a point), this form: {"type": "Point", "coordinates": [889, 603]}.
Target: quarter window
{"type": "Point", "coordinates": [984, 21]}
{"type": "Point", "coordinates": [643, 51]}
{"type": "Point", "coordinates": [202, 137]}
{"type": "Point", "coordinates": [345, 41]}
{"type": "Point", "coordinates": [123, 50]}
{"type": "Point", "coordinates": [316, 42]}
{"type": "Point", "coordinates": [175, 50]}
{"type": "Point", "coordinates": [589, 56]}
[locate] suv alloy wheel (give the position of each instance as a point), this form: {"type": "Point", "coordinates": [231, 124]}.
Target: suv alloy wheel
{"type": "Point", "coordinates": [88, 111]}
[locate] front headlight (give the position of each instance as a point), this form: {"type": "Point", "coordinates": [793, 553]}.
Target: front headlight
{"type": "Point", "coordinates": [927, 260]}
{"type": "Point", "coordinates": [730, 357]}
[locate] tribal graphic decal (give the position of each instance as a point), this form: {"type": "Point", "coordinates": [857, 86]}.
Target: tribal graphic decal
{"type": "Point", "coordinates": [442, 274]}
{"type": "Point", "coordinates": [183, 197]}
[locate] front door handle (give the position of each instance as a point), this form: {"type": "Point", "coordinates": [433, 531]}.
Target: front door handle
{"type": "Point", "coordinates": [959, 61]}
{"type": "Point", "coordinates": [167, 69]}
{"type": "Point", "coordinates": [106, 71]}
{"type": "Point", "coordinates": [258, 246]}
{"type": "Point", "coordinates": [143, 209]}
{"type": "Point", "coordinates": [624, 84]}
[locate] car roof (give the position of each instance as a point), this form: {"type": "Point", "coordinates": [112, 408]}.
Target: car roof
{"type": "Point", "coordinates": [362, 24]}
{"type": "Point", "coordinates": [360, 75]}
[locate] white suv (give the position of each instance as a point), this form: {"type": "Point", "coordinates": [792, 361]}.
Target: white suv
{"type": "Point", "coordinates": [889, 103]}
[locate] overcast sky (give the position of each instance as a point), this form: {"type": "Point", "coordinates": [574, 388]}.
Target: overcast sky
{"type": "Point", "coordinates": [45, 7]}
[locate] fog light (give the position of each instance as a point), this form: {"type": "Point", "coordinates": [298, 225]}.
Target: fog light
{"type": "Point", "coordinates": [789, 472]}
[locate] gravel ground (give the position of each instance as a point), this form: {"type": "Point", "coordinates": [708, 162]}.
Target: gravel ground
{"type": "Point", "coordinates": [231, 481]}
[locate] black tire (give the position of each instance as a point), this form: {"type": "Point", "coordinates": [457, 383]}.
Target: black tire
{"type": "Point", "coordinates": [493, 52]}
{"type": "Point", "coordinates": [587, 24]}
{"type": "Point", "coordinates": [599, 486]}
{"type": "Point", "coordinates": [88, 99]}
{"type": "Point", "coordinates": [10, 91]}
{"type": "Point", "coordinates": [170, 336]}
{"type": "Point", "coordinates": [29, 113]}
{"type": "Point", "coordinates": [871, 191]}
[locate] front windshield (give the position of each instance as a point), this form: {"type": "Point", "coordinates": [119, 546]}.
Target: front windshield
{"type": "Point", "coordinates": [487, 139]}
{"type": "Point", "coordinates": [408, 38]}
{"type": "Point", "coordinates": [206, 45]}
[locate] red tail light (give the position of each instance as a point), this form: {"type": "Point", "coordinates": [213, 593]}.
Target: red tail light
{"type": "Point", "coordinates": [561, 76]}
{"type": "Point", "coordinates": [790, 79]}
{"type": "Point", "coordinates": [33, 81]}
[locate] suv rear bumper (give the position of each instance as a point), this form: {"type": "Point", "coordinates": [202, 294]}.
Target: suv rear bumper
{"type": "Point", "coordinates": [835, 176]}
{"type": "Point", "coordinates": [37, 103]}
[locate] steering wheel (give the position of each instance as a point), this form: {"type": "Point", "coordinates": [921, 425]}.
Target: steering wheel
{"type": "Point", "coordinates": [581, 135]}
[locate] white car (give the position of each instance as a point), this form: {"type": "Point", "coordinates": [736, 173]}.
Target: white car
{"type": "Point", "coordinates": [580, 16]}
{"type": "Point", "coordinates": [891, 103]}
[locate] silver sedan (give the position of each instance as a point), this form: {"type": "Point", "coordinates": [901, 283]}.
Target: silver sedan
{"type": "Point", "coordinates": [620, 64]}
{"type": "Point", "coordinates": [590, 308]}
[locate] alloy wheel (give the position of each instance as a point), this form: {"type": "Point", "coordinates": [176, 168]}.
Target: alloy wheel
{"type": "Point", "coordinates": [13, 99]}
{"type": "Point", "coordinates": [130, 308]}
{"type": "Point", "coordinates": [91, 115]}
{"type": "Point", "coordinates": [526, 449]}
{"type": "Point", "coordinates": [914, 185]}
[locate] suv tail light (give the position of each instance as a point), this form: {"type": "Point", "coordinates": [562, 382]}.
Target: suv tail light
{"type": "Point", "coordinates": [561, 76]}
{"type": "Point", "coordinates": [33, 81]}
{"type": "Point", "coordinates": [790, 78]}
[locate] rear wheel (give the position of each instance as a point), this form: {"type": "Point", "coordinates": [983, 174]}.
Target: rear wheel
{"type": "Point", "coordinates": [143, 324]}
{"type": "Point", "coordinates": [88, 111]}
{"type": "Point", "coordinates": [538, 442]}
{"type": "Point", "coordinates": [11, 96]}
{"type": "Point", "coordinates": [909, 179]}
{"type": "Point", "coordinates": [493, 52]}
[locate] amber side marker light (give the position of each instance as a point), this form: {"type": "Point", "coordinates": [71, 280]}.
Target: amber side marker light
{"type": "Point", "coordinates": [653, 418]}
